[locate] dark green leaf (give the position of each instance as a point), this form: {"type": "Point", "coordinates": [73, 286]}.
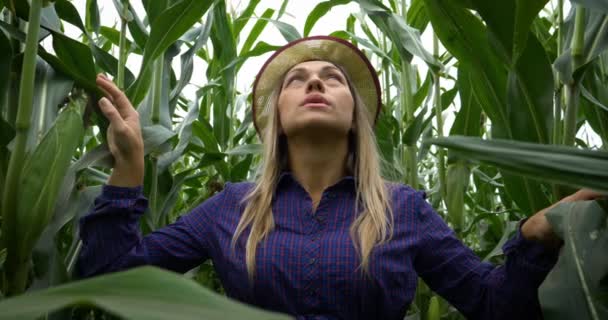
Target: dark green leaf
{"type": "Point", "coordinates": [137, 29]}
{"type": "Point", "coordinates": [468, 119]}
{"type": "Point", "coordinates": [510, 22]}
{"type": "Point", "coordinates": [92, 19]}
{"type": "Point", "coordinates": [530, 95]}
{"type": "Point", "coordinates": [466, 38]}
{"type": "Point", "coordinates": [68, 12]}
{"type": "Point", "coordinates": [143, 293]}
{"type": "Point", "coordinates": [76, 58]}
{"type": "Point", "coordinates": [416, 128]}
{"type": "Point", "coordinates": [6, 59]}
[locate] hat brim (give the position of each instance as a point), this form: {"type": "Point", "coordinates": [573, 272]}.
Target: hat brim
{"type": "Point", "coordinates": [339, 51]}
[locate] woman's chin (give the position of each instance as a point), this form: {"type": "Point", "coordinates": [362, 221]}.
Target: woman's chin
{"type": "Point", "coordinates": [317, 128]}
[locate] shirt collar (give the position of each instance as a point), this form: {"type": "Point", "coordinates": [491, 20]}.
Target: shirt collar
{"type": "Point", "coordinates": [287, 176]}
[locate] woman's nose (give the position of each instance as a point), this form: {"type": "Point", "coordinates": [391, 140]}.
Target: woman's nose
{"type": "Point", "coordinates": [315, 84]}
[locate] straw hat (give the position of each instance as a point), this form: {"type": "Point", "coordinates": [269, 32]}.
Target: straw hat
{"type": "Point", "coordinates": [332, 49]}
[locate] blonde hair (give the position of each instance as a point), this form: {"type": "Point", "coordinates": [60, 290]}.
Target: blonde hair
{"type": "Point", "coordinates": [372, 226]}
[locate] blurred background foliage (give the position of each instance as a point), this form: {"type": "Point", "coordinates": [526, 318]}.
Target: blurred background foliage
{"type": "Point", "coordinates": [500, 112]}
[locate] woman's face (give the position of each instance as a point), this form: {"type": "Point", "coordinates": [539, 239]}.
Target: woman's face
{"type": "Point", "coordinates": [315, 99]}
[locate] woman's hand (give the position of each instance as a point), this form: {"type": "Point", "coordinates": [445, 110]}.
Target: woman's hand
{"type": "Point", "coordinates": [124, 135]}
{"type": "Point", "coordinates": [538, 228]}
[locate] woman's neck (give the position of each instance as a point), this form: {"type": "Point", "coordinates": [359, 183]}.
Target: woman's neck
{"type": "Point", "coordinates": [317, 164]}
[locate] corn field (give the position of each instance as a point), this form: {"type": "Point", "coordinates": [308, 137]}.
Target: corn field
{"type": "Point", "coordinates": [500, 113]}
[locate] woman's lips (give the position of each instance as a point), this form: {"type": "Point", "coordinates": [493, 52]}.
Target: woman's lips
{"type": "Point", "coordinates": [316, 105]}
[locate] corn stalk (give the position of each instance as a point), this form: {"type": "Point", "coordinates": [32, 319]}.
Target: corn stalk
{"type": "Point", "coordinates": [16, 271]}
{"type": "Point", "coordinates": [572, 89]}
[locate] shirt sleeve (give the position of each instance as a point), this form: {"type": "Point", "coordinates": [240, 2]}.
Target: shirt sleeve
{"type": "Point", "coordinates": [479, 289]}
{"type": "Point", "coordinates": [112, 241]}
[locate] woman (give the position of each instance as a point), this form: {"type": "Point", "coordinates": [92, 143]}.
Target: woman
{"type": "Point", "coordinates": [319, 235]}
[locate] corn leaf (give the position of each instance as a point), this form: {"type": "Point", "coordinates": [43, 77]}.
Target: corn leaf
{"type": "Point", "coordinates": [144, 293]}
{"type": "Point", "coordinates": [468, 120]}
{"type": "Point", "coordinates": [576, 288]}
{"type": "Point", "coordinates": [467, 39]}
{"type": "Point", "coordinates": [50, 91]}
{"type": "Point", "coordinates": [559, 164]}
{"type": "Point", "coordinates": [593, 4]}
{"type": "Point", "coordinates": [417, 16]}
{"type": "Point", "coordinates": [319, 11]}
{"type": "Point", "coordinates": [571, 70]}
{"type": "Point", "coordinates": [43, 173]}
{"type": "Point", "coordinates": [170, 25]}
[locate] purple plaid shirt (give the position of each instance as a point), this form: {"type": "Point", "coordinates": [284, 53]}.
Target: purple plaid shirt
{"type": "Point", "coordinates": [307, 267]}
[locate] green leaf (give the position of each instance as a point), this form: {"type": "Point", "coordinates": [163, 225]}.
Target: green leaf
{"type": "Point", "coordinates": [187, 60]}
{"type": "Point", "coordinates": [67, 12]}
{"type": "Point", "coordinates": [137, 28]}
{"type": "Point", "coordinates": [113, 36]}
{"type": "Point", "coordinates": [559, 164]}
{"type": "Point", "coordinates": [417, 16]}
{"type": "Point", "coordinates": [530, 95]}
{"type": "Point", "coordinates": [405, 38]}
{"type": "Point", "coordinates": [170, 25]}
{"type": "Point", "coordinates": [596, 41]}
{"type": "Point", "coordinates": [289, 32]}
{"type": "Point", "coordinates": [319, 11]}
{"type": "Point", "coordinates": [154, 8]}
{"type": "Point", "coordinates": [594, 104]}
{"type": "Point", "coordinates": [466, 38]}
{"type": "Point", "coordinates": [510, 22]}
{"type": "Point", "coordinates": [246, 149]}
{"type": "Point", "coordinates": [256, 30]}
{"type": "Point", "coordinates": [43, 173]}
{"type": "Point", "coordinates": [6, 59]}
{"type": "Point", "coordinates": [92, 19]}
{"type": "Point", "coordinates": [184, 134]}
{"type": "Point", "coordinates": [75, 59]}
{"type": "Point", "coordinates": [50, 91]}
{"type": "Point", "coordinates": [576, 287]}
{"type": "Point", "coordinates": [241, 21]}
{"type": "Point", "coordinates": [143, 293]}
{"type": "Point", "coordinates": [457, 184]}
{"type": "Point", "coordinates": [416, 128]}
{"type": "Point", "coordinates": [223, 68]}
{"type": "Point", "coordinates": [593, 4]}
{"type": "Point", "coordinates": [468, 119]}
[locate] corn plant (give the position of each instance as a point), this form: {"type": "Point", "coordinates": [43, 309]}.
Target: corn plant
{"type": "Point", "coordinates": [491, 116]}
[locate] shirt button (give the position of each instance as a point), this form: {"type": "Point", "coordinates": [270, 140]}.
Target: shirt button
{"type": "Point", "coordinates": [312, 261]}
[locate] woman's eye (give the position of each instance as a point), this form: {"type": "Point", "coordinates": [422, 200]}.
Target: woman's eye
{"type": "Point", "coordinates": [295, 79]}
{"type": "Point", "coordinates": [334, 77]}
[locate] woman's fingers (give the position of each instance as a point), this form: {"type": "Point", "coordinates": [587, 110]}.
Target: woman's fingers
{"type": "Point", "coordinates": [111, 113]}
{"type": "Point", "coordinates": [585, 194]}
{"type": "Point", "coordinates": [120, 100]}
